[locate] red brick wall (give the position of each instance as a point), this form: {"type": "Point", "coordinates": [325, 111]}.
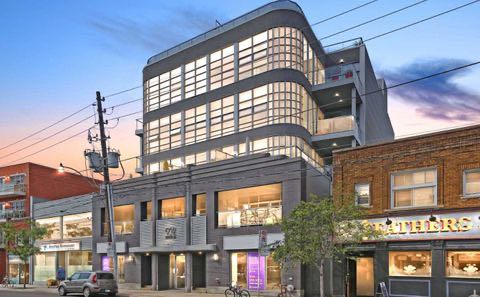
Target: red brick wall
{"type": "Point", "coordinates": [450, 152]}
{"type": "Point", "coordinates": [3, 263]}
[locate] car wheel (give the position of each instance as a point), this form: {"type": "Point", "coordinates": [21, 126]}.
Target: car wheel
{"type": "Point", "coordinates": [86, 292]}
{"type": "Point", "coordinates": [62, 291]}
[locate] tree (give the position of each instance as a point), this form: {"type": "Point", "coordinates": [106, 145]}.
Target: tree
{"type": "Point", "coordinates": [21, 241]}
{"type": "Point", "coordinates": [320, 229]}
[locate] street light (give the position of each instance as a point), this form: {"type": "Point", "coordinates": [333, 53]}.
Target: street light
{"type": "Point", "coordinates": [61, 169]}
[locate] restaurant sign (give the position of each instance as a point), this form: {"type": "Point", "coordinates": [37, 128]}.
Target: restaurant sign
{"type": "Point", "coordinates": [442, 226]}
{"type": "Point", "coordinates": [58, 247]}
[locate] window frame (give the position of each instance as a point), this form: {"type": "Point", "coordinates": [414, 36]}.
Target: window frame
{"type": "Point", "coordinates": [411, 187]}
{"type": "Point", "coordinates": [369, 194]}
{"type": "Point", "coordinates": [464, 184]}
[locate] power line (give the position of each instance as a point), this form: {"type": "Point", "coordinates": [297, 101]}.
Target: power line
{"type": "Point", "coordinates": [342, 13]}
{"type": "Point", "coordinates": [374, 19]}
{"type": "Point", "coordinates": [43, 129]}
{"type": "Point", "coordinates": [421, 21]}
{"type": "Point", "coordinates": [122, 92]}
{"type": "Point", "coordinates": [46, 138]}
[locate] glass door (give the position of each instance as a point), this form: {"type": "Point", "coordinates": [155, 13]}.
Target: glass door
{"type": "Point", "coordinates": [365, 277]}
{"type": "Point", "coordinates": [179, 271]}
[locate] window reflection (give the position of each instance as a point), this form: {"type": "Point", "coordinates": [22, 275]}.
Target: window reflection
{"type": "Point", "coordinates": [173, 208]}
{"type": "Point", "coordinates": [463, 264]}
{"type": "Point", "coordinates": [77, 225]}
{"type": "Point", "coordinates": [411, 263]}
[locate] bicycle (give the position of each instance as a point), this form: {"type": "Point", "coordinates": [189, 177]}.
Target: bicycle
{"type": "Point", "coordinates": [6, 282]}
{"type": "Point", "coordinates": [234, 290]}
{"type": "Point", "coordinates": [285, 290]}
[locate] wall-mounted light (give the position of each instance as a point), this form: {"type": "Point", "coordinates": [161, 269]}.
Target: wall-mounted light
{"type": "Point", "coordinates": [336, 94]}
{"type": "Point", "coordinates": [388, 222]}
{"type": "Point", "coordinates": [432, 218]}
{"type": "Point", "coordinates": [147, 254]}
{"type": "Point", "coordinates": [334, 144]}
{"type": "Point", "coordinates": [341, 61]}
{"type": "Point", "coordinates": [61, 168]}
{"type": "Point", "coordinates": [215, 257]}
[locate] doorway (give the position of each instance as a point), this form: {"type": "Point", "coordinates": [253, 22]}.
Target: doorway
{"type": "Point", "coordinates": [365, 278]}
{"type": "Point", "coordinates": [177, 271]}
{"type": "Point", "coordinates": [146, 274]}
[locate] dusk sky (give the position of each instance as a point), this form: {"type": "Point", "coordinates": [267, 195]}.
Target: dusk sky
{"type": "Point", "coordinates": [56, 54]}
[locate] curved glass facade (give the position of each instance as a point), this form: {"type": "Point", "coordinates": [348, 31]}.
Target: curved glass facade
{"type": "Point", "coordinates": [276, 48]}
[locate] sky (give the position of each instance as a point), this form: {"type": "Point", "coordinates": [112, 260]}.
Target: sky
{"type": "Point", "coordinates": [56, 54]}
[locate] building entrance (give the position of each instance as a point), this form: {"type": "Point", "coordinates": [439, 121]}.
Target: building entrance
{"type": "Point", "coordinates": [365, 279]}
{"type": "Point", "coordinates": [177, 271]}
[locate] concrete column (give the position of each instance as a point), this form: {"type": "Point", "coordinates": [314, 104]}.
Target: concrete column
{"type": "Point", "coordinates": [188, 272]}
{"type": "Point", "coordinates": [235, 62]}
{"type": "Point", "coordinates": [155, 272]}
{"type": "Point", "coordinates": [235, 112]}
{"type": "Point", "coordinates": [182, 82]}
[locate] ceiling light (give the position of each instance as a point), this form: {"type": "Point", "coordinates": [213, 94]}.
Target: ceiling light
{"type": "Point", "coordinates": [341, 61]}
{"type": "Point", "coordinates": [341, 100]}
{"type": "Point", "coordinates": [334, 144]}
{"type": "Point", "coordinates": [337, 94]}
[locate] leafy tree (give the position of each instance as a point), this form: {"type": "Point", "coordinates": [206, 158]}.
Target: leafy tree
{"type": "Point", "coordinates": [21, 241]}
{"type": "Point", "coordinates": [320, 229]}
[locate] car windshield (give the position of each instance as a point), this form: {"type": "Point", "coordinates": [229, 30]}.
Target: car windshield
{"type": "Point", "coordinates": [104, 276]}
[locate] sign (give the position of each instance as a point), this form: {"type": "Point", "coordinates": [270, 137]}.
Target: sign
{"type": "Point", "coordinates": [171, 233]}
{"type": "Point", "coordinates": [58, 247]}
{"type": "Point", "coordinates": [255, 271]}
{"type": "Point", "coordinates": [382, 289]}
{"type": "Point", "coordinates": [263, 247]}
{"type": "Point", "coordinates": [106, 261]}
{"type": "Point", "coordinates": [446, 226]}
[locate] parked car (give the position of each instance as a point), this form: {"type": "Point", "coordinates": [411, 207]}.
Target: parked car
{"type": "Point", "coordinates": [89, 283]}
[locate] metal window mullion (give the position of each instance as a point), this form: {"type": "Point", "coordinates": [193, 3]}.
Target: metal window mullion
{"type": "Point", "coordinates": [182, 84]}
{"type": "Point", "coordinates": [235, 113]}
{"type": "Point", "coordinates": [235, 62]}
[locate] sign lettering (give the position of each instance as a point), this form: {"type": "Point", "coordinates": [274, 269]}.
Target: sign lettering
{"type": "Point", "coordinates": [170, 233]}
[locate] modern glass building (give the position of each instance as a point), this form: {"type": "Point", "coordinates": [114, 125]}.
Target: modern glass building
{"type": "Point", "coordinates": [239, 125]}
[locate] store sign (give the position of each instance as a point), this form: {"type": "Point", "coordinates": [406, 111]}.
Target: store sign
{"type": "Point", "coordinates": [58, 247]}
{"type": "Point", "coordinates": [446, 226]}
{"type": "Point", "coordinates": [256, 271]}
{"type": "Point", "coordinates": [170, 233]}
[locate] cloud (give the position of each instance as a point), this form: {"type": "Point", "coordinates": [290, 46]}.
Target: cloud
{"type": "Point", "coordinates": [440, 97]}
{"type": "Point", "coordinates": [172, 26]}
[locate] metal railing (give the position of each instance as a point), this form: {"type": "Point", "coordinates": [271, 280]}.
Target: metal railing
{"type": "Point", "coordinates": [12, 188]}
{"type": "Point", "coordinates": [339, 72]}
{"type": "Point", "coordinates": [12, 214]}
{"type": "Point", "coordinates": [334, 125]}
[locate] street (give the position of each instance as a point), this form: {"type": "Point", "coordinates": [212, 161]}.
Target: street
{"type": "Point", "coordinates": [38, 292]}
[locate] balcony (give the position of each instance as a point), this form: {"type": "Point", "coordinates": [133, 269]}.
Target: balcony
{"type": "Point", "coordinates": [339, 82]}
{"type": "Point", "coordinates": [333, 133]}
{"type": "Point", "coordinates": [12, 214]}
{"type": "Point", "coordinates": [139, 127]}
{"type": "Point", "coordinates": [139, 165]}
{"type": "Point", "coordinates": [12, 190]}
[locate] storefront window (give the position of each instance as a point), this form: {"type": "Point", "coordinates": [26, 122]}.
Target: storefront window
{"type": "Point", "coordinates": [414, 188]}
{"type": "Point", "coordinates": [44, 268]}
{"type": "Point", "coordinates": [53, 227]}
{"type": "Point", "coordinates": [79, 261]}
{"type": "Point", "coordinates": [107, 265]}
{"type": "Point", "coordinates": [124, 219]}
{"type": "Point", "coordinates": [252, 272]}
{"type": "Point", "coordinates": [77, 225]}
{"type": "Point", "coordinates": [250, 206]}
{"type": "Point", "coordinates": [463, 264]}
{"type": "Point", "coordinates": [173, 208]}
{"type": "Point", "coordinates": [412, 263]}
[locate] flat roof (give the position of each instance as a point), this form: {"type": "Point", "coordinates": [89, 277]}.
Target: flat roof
{"type": "Point", "coordinates": [269, 7]}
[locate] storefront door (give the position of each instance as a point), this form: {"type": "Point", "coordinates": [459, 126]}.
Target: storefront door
{"type": "Point", "coordinates": [364, 280]}
{"type": "Point", "coordinates": [177, 271]}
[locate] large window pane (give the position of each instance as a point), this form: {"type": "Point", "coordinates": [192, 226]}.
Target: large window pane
{"type": "Point", "coordinates": [44, 268]}
{"type": "Point", "coordinates": [250, 206]}
{"type": "Point", "coordinates": [471, 186]}
{"type": "Point", "coordinates": [251, 271]}
{"type": "Point", "coordinates": [173, 208]}
{"type": "Point", "coordinates": [53, 227]}
{"type": "Point", "coordinates": [124, 219]}
{"type": "Point", "coordinates": [463, 264]}
{"type": "Point", "coordinates": [77, 225]}
{"type": "Point", "coordinates": [79, 261]}
{"type": "Point", "coordinates": [414, 188]}
{"type": "Point", "coordinates": [411, 263]}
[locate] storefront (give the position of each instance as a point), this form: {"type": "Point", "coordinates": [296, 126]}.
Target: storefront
{"type": "Point", "coordinates": [425, 256]}
{"type": "Point", "coordinates": [17, 269]}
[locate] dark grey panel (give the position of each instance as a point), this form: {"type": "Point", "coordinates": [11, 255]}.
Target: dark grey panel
{"type": "Point", "coordinates": [62, 207]}
{"type": "Point", "coordinates": [199, 230]}
{"type": "Point", "coordinates": [409, 287]}
{"type": "Point", "coordinates": [462, 288]}
{"type": "Point", "coordinates": [146, 230]}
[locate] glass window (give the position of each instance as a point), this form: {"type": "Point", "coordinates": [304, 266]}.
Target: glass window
{"type": "Point", "coordinates": [222, 68]}
{"type": "Point", "coordinates": [248, 272]}
{"type": "Point", "coordinates": [53, 227]}
{"type": "Point", "coordinates": [414, 188]}
{"type": "Point", "coordinates": [196, 77]}
{"type": "Point", "coordinates": [200, 205]}
{"type": "Point", "coordinates": [44, 267]}
{"type": "Point", "coordinates": [471, 183]}
{"type": "Point", "coordinates": [77, 225]}
{"type": "Point", "coordinates": [222, 117]}
{"type": "Point", "coordinates": [146, 209]}
{"type": "Point", "coordinates": [79, 261]}
{"type": "Point", "coordinates": [173, 208]}
{"type": "Point", "coordinates": [463, 264]}
{"type": "Point", "coordinates": [411, 263]}
{"type": "Point", "coordinates": [250, 206]}
{"type": "Point", "coordinates": [162, 90]}
{"type": "Point", "coordinates": [124, 216]}
{"type": "Point", "coordinates": [107, 265]}
{"type": "Point", "coordinates": [196, 124]}
{"type": "Point", "coordinates": [362, 194]}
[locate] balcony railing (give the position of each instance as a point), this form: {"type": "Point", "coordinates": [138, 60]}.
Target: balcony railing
{"type": "Point", "coordinates": [339, 72]}
{"type": "Point", "coordinates": [12, 214]}
{"type": "Point", "coordinates": [139, 164]}
{"type": "Point", "coordinates": [334, 125]}
{"type": "Point", "coordinates": [12, 189]}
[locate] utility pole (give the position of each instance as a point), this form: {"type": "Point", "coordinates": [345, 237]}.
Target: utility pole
{"type": "Point", "coordinates": [112, 251]}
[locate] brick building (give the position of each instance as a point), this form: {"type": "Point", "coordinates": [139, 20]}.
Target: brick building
{"type": "Point", "coordinates": [424, 192]}
{"type": "Point", "coordinates": [21, 184]}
